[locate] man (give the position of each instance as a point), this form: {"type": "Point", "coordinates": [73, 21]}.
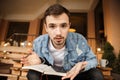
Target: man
{"type": "Point", "coordinates": [64, 51]}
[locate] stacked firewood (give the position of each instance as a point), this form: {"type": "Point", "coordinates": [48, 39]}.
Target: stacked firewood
{"type": "Point", "coordinates": [12, 55]}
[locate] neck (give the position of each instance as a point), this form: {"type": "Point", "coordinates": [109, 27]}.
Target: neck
{"type": "Point", "coordinates": [58, 46]}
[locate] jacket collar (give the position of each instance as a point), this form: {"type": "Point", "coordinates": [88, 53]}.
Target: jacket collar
{"type": "Point", "coordinates": [70, 43]}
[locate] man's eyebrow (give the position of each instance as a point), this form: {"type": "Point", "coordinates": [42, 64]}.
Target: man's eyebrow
{"type": "Point", "coordinates": [51, 24]}
{"type": "Point", "coordinates": [55, 24]}
{"type": "Point", "coordinates": [63, 23]}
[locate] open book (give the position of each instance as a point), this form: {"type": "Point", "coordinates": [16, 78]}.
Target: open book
{"type": "Point", "coordinates": [45, 69]}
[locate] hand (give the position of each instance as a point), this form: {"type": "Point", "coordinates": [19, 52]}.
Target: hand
{"type": "Point", "coordinates": [75, 70]}
{"type": "Point", "coordinates": [31, 58]}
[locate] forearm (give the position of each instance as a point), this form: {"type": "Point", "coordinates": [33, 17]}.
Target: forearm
{"type": "Point", "coordinates": [82, 65]}
{"type": "Point", "coordinates": [90, 64]}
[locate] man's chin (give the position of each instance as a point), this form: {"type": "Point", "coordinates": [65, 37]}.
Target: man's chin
{"type": "Point", "coordinates": [59, 43]}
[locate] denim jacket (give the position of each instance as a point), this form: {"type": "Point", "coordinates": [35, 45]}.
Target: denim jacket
{"type": "Point", "coordinates": [77, 50]}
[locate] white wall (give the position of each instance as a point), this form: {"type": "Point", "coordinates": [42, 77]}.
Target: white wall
{"type": "Point", "coordinates": [112, 22]}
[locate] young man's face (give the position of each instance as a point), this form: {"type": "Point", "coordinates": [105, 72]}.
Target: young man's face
{"type": "Point", "coordinates": [57, 28]}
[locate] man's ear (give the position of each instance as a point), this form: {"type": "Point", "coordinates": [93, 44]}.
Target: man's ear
{"type": "Point", "coordinates": [70, 23]}
{"type": "Point", "coordinates": [45, 25]}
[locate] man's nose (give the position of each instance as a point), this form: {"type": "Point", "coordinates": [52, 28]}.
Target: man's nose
{"type": "Point", "coordinates": [58, 31]}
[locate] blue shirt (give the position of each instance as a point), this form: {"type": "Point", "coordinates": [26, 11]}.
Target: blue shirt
{"type": "Point", "coordinates": [77, 50]}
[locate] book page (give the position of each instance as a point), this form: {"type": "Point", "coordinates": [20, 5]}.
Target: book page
{"type": "Point", "coordinates": [45, 69]}
{"type": "Point", "coordinates": [40, 68]}
{"type": "Point", "coordinates": [50, 71]}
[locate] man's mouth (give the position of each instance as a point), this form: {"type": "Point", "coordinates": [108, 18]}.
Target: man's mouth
{"type": "Point", "coordinates": [58, 39]}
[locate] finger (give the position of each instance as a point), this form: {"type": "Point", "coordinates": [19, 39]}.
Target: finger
{"type": "Point", "coordinates": [24, 56]}
{"type": "Point", "coordinates": [74, 75]}
{"type": "Point", "coordinates": [26, 63]}
{"type": "Point", "coordinates": [75, 71]}
{"type": "Point", "coordinates": [65, 77]}
{"type": "Point", "coordinates": [72, 69]}
{"type": "Point", "coordinates": [84, 64]}
{"type": "Point", "coordinates": [24, 60]}
{"type": "Point", "coordinates": [69, 74]}
{"type": "Point", "coordinates": [30, 50]}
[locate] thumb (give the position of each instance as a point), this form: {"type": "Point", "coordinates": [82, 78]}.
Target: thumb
{"type": "Point", "coordinates": [30, 51]}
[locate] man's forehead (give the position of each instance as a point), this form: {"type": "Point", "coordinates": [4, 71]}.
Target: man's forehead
{"type": "Point", "coordinates": [63, 15]}
{"type": "Point", "coordinates": [57, 20]}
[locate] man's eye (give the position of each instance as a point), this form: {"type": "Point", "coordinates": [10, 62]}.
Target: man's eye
{"type": "Point", "coordinates": [64, 25]}
{"type": "Point", "coordinates": [51, 26]}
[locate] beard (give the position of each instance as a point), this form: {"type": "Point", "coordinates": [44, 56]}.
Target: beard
{"type": "Point", "coordinates": [58, 41]}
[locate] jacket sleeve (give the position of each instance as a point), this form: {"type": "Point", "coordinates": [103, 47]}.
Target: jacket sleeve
{"type": "Point", "coordinates": [90, 57]}
{"type": "Point", "coordinates": [91, 60]}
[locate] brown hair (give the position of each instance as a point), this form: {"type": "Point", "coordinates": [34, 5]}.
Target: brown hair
{"type": "Point", "coordinates": [56, 10]}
